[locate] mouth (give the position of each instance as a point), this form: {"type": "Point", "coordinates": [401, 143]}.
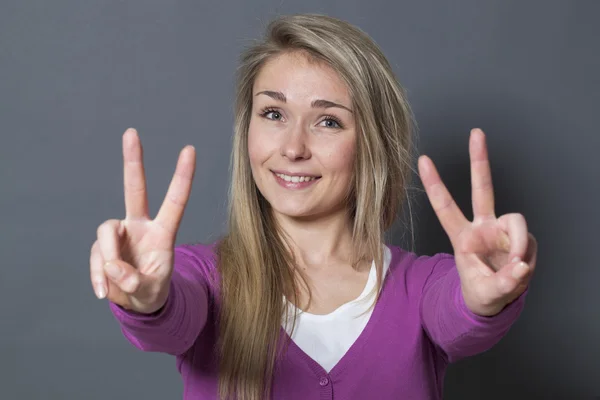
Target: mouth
{"type": "Point", "coordinates": [295, 180]}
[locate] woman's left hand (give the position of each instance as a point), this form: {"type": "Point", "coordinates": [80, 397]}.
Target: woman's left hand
{"type": "Point", "coordinates": [495, 257]}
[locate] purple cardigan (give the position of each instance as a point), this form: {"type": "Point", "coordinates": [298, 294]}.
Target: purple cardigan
{"type": "Point", "coordinates": [419, 325]}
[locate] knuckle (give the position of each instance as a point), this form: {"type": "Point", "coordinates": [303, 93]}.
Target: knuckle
{"type": "Point", "coordinates": [97, 279]}
{"type": "Point", "coordinates": [506, 286]}
{"type": "Point", "coordinates": [96, 264]}
{"type": "Point", "coordinates": [107, 226]}
{"type": "Point", "coordinates": [94, 253]}
{"type": "Point", "coordinates": [130, 283]}
{"type": "Point", "coordinates": [517, 217]}
{"type": "Point", "coordinates": [101, 229]}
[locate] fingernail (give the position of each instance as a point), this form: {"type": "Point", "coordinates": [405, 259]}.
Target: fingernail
{"type": "Point", "coordinates": [516, 259]}
{"type": "Point", "coordinates": [113, 270]}
{"type": "Point", "coordinates": [504, 242]}
{"type": "Point", "coordinates": [100, 291]}
{"type": "Point", "coordinates": [520, 270]}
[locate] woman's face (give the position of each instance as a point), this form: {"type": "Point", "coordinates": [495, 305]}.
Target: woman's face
{"type": "Point", "coordinates": [302, 137]}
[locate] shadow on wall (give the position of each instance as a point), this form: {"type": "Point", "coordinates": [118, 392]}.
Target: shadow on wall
{"type": "Point", "coordinates": [533, 361]}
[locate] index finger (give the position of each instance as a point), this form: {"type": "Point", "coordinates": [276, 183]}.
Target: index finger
{"type": "Point", "coordinates": [452, 219]}
{"type": "Point", "coordinates": [136, 200]}
{"type": "Point", "coordinates": [170, 213]}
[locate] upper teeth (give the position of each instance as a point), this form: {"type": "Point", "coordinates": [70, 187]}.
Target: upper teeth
{"type": "Point", "coordinates": [296, 179]}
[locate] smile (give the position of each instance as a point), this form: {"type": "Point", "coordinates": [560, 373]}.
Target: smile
{"type": "Point", "coordinates": [295, 181]}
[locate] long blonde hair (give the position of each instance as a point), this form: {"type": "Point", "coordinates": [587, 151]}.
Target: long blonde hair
{"type": "Point", "coordinates": [256, 269]}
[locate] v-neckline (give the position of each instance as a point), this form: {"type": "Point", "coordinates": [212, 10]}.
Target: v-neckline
{"type": "Point", "coordinates": [294, 351]}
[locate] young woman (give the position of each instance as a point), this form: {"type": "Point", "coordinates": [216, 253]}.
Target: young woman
{"type": "Point", "coordinates": [302, 299]}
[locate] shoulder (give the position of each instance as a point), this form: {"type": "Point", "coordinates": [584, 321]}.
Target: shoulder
{"type": "Point", "coordinates": [415, 270]}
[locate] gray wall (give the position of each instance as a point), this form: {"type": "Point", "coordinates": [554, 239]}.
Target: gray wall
{"type": "Point", "coordinates": [75, 75]}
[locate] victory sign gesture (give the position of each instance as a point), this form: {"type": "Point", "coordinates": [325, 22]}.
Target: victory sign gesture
{"type": "Point", "coordinates": [495, 257]}
{"type": "Point", "coordinates": [131, 262]}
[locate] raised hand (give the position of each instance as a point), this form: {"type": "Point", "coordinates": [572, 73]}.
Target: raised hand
{"type": "Point", "coordinates": [131, 262]}
{"type": "Point", "coordinates": [495, 257]}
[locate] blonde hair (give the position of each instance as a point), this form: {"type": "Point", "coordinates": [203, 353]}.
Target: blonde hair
{"type": "Point", "coordinates": [256, 268]}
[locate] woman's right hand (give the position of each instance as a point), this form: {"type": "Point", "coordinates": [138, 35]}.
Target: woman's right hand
{"type": "Point", "coordinates": [131, 261]}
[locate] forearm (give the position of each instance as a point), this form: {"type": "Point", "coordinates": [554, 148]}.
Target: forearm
{"type": "Point", "coordinates": [174, 327]}
{"type": "Point", "coordinates": [452, 326]}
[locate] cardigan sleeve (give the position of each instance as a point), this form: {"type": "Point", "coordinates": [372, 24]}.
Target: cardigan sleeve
{"type": "Point", "coordinates": [448, 321]}
{"type": "Point", "coordinates": [174, 328]}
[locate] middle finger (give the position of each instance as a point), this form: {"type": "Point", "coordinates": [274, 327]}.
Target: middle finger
{"type": "Point", "coordinates": [481, 177]}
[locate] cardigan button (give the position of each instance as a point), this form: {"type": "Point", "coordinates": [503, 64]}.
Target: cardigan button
{"type": "Point", "coordinates": [324, 381]}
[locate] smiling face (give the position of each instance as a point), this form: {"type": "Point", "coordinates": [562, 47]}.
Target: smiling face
{"type": "Point", "coordinates": [301, 138]}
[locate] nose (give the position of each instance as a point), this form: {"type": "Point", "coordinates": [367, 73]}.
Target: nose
{"type": "Point", "coordinates": [294, 146]}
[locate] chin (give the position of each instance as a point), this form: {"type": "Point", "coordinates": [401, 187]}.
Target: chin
{"type": "Point", "coordinates": [292, 210]}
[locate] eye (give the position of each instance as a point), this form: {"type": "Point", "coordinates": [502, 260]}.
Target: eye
{"type": "Point", "coordinates": [272, 114]}
{"type": "Point", "coordinates": [332, 122]}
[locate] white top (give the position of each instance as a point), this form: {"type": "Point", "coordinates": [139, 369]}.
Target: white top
{"type": "Point", "coordinates": [326, 338]}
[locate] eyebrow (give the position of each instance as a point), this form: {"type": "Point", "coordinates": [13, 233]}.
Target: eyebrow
{"type": "Point", "coordinates": [319, 103]}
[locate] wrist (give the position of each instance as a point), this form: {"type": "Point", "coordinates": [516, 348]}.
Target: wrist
{"type": "Point", "coordinates": [482, 308]}
{"type": "Point", "coordinates": [148, 307]}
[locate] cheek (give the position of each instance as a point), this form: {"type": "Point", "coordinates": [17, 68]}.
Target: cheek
{"type": "Point", "coordinates": [256, 148]}
{"type": "Point", "coordinates": [341, 157]}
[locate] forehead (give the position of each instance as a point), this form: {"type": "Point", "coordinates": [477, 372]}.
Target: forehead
{"type": "Point", "coordinates": [298, 77]}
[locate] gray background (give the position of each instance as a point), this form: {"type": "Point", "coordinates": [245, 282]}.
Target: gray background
{"type": "Point", "coordinates": [75, 75]}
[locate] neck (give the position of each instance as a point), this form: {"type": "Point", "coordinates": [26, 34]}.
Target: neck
{"type": "Point", "coordinates": [320, 241]}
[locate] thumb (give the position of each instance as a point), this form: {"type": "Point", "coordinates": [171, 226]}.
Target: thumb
{"type": "Point", "coordinates": [123, 275]}
{"type": "Point", "coordinates": [512, 279]}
